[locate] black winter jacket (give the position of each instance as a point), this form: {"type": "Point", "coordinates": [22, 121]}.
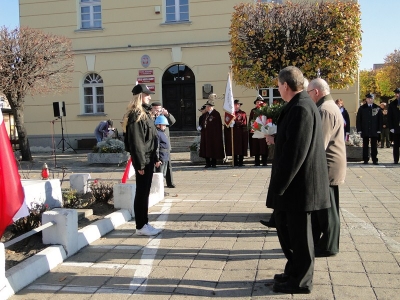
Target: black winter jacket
{"type": "Point", "coordinates": [141, 139]}
{"type": "Point", "coordinates": [369, 120]}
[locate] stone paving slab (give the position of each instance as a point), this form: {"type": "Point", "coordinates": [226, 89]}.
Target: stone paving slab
{"type": "Point", "coordinates": [213, 246]}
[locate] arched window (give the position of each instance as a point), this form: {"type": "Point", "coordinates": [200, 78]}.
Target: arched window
{"type": "Point", "coordinates": [93, 94]}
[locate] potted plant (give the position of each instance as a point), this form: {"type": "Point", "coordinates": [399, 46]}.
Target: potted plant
{"type": "Point", "coordinates": [354, 150]}
{"type": "Point", "coordinates": [108, 151]}
{"type": "Point", "coordinates": [195, 150]}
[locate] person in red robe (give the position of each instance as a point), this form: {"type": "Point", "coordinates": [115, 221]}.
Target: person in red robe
{"type": "Point", "coordinates": [258, 147]}
{"type": "Point", "coordinates": [211, 144]}
{"type": "Point", "coordinates": [240, 136]}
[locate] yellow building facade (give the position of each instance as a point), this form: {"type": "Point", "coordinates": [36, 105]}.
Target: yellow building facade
{"type": "Point", "coordinates": [179, 48]}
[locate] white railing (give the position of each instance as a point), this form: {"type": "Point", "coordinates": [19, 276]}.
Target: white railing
{"type": "Point", "coordinates": [28, 234]}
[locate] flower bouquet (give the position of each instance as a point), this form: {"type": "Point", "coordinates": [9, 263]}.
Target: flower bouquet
{"type": "Point", "coordinates": [262, 127]}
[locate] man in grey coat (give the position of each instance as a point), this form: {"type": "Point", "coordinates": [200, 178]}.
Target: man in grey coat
{"type": "Point", "coordinates": [299, 181]}
{"type": "Point", "coordinates": [326, 222]}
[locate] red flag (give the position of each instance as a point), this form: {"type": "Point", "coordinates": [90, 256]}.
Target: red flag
{"type": "Point", "coordinates": [129, 171]}
{"type": "Point", "coordinates": [12, 195]}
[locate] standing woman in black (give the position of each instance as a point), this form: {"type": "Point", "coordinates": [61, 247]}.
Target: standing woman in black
{"type": "Point", "coordinates": [141, 142]}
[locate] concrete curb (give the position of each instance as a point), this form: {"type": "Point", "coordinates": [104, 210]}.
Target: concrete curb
{"type": "Point", "coordinates": [36, 266]}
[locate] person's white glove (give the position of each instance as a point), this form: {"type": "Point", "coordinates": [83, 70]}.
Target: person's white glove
{"type": "Point", "coordinates": [199, 128]}
{"type": "Point", "coordinates": [232, 124]}
{"type": "Point", "coordinates": [359, 132]}
{"type": "Point", "coordinates": [378, 132]}
{"type": "Point", "coordinates": [391, 130]}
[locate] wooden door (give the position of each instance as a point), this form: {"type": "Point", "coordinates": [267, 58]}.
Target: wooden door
{"type": "Point", "coordinates": [179, 99]}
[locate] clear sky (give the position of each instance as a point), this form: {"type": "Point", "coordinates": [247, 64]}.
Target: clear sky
{"type": "Point", "coordinates": [379, 25]}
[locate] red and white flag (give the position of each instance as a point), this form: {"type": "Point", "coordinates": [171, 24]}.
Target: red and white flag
{"type": "Point", "coordinates": [12, 204]}
{"type": "Point", "coordinates": [228, 103]}
{"type": "Point", "coordinates": [129, 171]}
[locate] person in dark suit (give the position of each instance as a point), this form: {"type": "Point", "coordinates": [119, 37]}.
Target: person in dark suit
{"type": "Point", "coordinates": [394, 124]}
{"type": "Point", "coordinates": [369, 125]}
{"type": "Point", "coordinates": [299, 181]}
{"type": "Point", "coordinates": [211, 144]}
{"type": "Point", "coordinates": [240, 136]}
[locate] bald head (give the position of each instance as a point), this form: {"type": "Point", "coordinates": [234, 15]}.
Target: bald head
{"type": "Point", "coordinates": [318, 88]}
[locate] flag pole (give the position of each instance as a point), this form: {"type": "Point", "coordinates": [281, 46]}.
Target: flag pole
{"type": "Point", "coordinates": [232, 143]}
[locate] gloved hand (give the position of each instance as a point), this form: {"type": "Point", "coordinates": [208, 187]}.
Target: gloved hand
{"type": "Point", "coordinates": [199, 128]}
{"type": "Point", "coordinates": [391, 130]}
{"type": "Point", "coordinates": [378, 132]}
{"type": "Point", "coordinates": [232, 124]}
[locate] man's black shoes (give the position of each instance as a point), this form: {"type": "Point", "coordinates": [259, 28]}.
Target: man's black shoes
{"type": "Point", "coordinates": [286, 288]}
{"type": "Point", "coordinates": [171, 186]}
{"type": "Point", "coordinates": [268, 223]}
{"type": "Point", "coordinates": [281, 278]}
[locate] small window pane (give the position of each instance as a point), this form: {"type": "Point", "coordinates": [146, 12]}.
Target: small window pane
{"type": "Point", "coordinates": [184, 17]}
{"type": "Point", "coordinates": [85, 17]}
{"type": "Point", "coordinates": [88, 91]}
{"type": "Point", "coordinates": [170, 2]}
{"type": "Point", "coordinates": [183, 2]}
{"type": "Point", "coordinates": [88, 100]}
{"type": "Point", "coordinates": [170, 10]}
{"type": "Point", "coordinates": [88, 109]}
{"type": "Point", "coordinates": [184, 9]}
{"type": "Point", "coordinates": [170, 17]}
{"type": "Point", "coordinates": [97, 16]}
{"type": "Point", "coordinates": [97, 24]}
{"type": "Point", "coordinates": [85, 9]}
{"type": "Point", "coordinates": [97, 8]}
{"type": "Point", "coordinates": [100, 108]}
{"type": "Point", "coordinates": [100, 90]}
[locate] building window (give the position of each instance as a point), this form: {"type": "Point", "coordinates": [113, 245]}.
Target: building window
{"type": "Point", "coordinates": [90, 14]}
{"type": "Point", "coordinates": [93, 94]}
{"type": "Point", "coordinates": [271, 95]}
{"type": "Point", "coordinates": [176, 10]}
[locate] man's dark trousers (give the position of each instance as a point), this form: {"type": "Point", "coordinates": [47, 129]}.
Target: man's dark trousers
{"type": "Point", "coordinates": [295, 236]}
{"type": "Point", "coordinates": [327, 222]}
{"type": "Point", "coordinates": [168, 177]}
{"type": "Point", "coordinates": [374, 148]}
{"type": "Point", "coordinates": [396, 145]}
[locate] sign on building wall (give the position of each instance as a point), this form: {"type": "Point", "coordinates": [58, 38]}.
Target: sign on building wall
{"type": "Point", "coordinates": [145, 72]}
{"type": "Point", "coordinates": [146, 79]}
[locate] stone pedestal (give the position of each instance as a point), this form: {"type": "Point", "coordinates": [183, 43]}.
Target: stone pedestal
{"type": "Point", "coordinates": [354, 153]}
{"type": "Point", "coordinates": [79, 182]}
{"type": "Point", "coordinates": [42, 192]}
{"type": "Point", "coordinates": [195, 158]}
{"type": "Point", "coordinates": [65, 232]}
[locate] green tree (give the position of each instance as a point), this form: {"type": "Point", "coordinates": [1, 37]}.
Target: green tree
{"type": "Point", "coordinates": [320, 38]}
{"type": "Point", "coordinates": [32, 62]}
{"type": "Point", "coordinates": [392, 68]}
{"type": "Point", "coordinates": [384, 87]}
{"type": "Point", "coordinates": [367, 82]}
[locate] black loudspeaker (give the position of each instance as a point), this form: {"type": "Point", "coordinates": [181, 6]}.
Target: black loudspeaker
{"type": "Point", "coordinates": [59, 109]}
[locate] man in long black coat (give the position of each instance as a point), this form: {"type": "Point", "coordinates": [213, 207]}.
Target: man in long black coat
{"type": "Point", "coordinates": [369, 125]}
{"type": "Point", "coordinates": [299, 181]}
{"type": "Point", "coordinates": [394, 124]}
{"type": "Point", "coordinates": [211, 143]}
